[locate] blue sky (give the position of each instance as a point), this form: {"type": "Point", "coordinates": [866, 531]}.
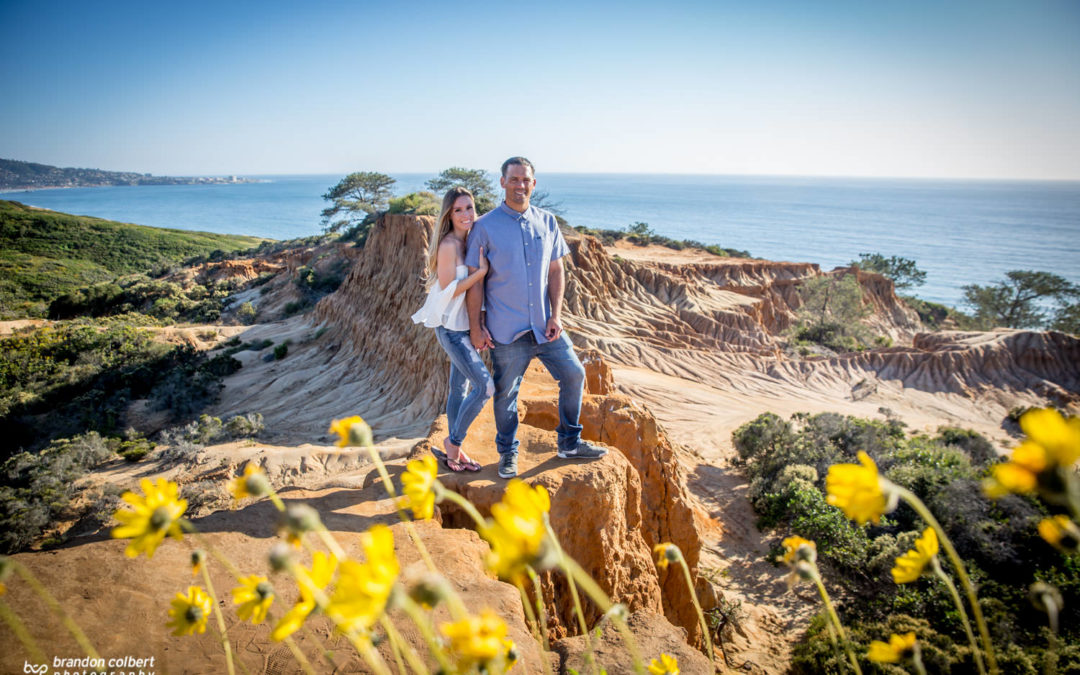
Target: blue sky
{"type": "Point", "coordinates": [982, 89]}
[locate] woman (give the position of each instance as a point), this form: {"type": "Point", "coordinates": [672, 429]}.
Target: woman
{"type": "Point", "coordinates": [444, 310]}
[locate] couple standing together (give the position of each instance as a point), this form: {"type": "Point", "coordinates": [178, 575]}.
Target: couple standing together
{"type": "Point", "coordinates": [497, 283]}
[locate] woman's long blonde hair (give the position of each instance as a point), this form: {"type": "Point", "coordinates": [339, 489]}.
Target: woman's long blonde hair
{"type": "Point", "coordinates": [443, 227]}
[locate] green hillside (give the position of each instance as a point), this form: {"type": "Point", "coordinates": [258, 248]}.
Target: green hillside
{"type": "Point", "coordinates": [44, 254]}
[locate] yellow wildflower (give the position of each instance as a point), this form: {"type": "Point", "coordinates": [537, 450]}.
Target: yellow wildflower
{"type": "Point", "coordinates": [198, 559]}
{"type": "Point", "coordinates": [418, 485]}
{"type": "Point", "coordinates": [190, 612]}
{"type": "Point", "coordinates": [155, 516]}
{"type": "Point", "coordinates": [476, 640]}
{"type": "Point", "coordinates": [1059, 436]}
{"type": "Point", "coordinates": [254, 596]}
{"type": "Point", "coordinates": [856, 490]}
{"type": "Point", "coordinates": [794, 550]}
{"type": "Point", "coordinates": [1060, 532]}
{"type": "Point", "coordinates": [665, 665]}
{"type": "Point", "coordinates": [510, 653]}
{"type": "Point", "coordinates": [252, 483]}
{"type": "Point", "coordinates": [351, 431]}
{"type": "Point", "coordinates": [911, 565]}
{"type": "Point", "coordinates": [517, 533]}
{"type": "Point", "coordinates": [1020, 474]}
{"type": "Point", "coordinates": [666, 554]}
{"type": "Point", "coordinates": [309, 583]}
{"type": "Point", "coordinates": [363, 589]}
{"type": "Point", "coordinates": [893, 650]}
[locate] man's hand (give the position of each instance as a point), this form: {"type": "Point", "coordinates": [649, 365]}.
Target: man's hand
{"type": "Point", "coordinates": [481, 339]}
{"type": "Point", "coordinates": [554, 329]}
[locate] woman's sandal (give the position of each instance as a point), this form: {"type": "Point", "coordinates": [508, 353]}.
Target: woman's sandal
{"type": "Point", "coordinates": [458, 465]}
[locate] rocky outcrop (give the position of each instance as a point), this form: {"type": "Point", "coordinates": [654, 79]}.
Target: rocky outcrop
{"type": "Point", "coordinates": [370, 330]}
{"type": "Point", "coordinates": [608, 514]}
{"type": "Point", "coordinates": [653, 636]}
{"type": "Point", "coordinates": [122, 604]}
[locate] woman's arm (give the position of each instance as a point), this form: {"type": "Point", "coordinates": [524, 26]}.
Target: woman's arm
{"type": "Point", "coordinates": [469, 281]}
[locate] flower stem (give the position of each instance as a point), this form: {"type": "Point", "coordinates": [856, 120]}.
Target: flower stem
{"type": "Point", "coordinates": [220, 621]}
{"type": "Point", "coordinates": [415, 662]}
{"type": "Point", "coordinates": [45, 595]}
{"type": "Point", "coordinates": [835, 620]}
{"type": "Point", "coordinates": [395, 646]}
{"type": "Point", "coordinates": [466, 505]}
{"type": "Point", "coordinates": [916, 660]}
{"type": "Point", "coordinates": [423, 622]}
{"type": "Point", "coordinates": [298, 655]}
{"type": "Point", "coordinates": [958, 566]}
{"type": "Point", "coordinates": [389, 486]}
{"type": "Point", "coordinates": [601, 599]}
{"type": "Point", "coordinates": [533, 625]}
{"type": "Point", "coordinates": [697, 606]}
{"type": "Point", "coordinates": [963, 614]}
{"type": "Point", "coordinates": [19, 628]}
{"type": "Point", "coordinates": [541, 613]}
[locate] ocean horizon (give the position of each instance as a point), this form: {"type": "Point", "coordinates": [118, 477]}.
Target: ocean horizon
{"type": "Point", "coordinates": [958, 231]}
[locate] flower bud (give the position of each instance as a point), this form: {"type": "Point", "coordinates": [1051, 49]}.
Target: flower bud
{"type": "Point", "coordinates": [198, 557]}
{"type": "Point", "coordinates": [806, 570]}
{"type": "Point", "coordinates": [298, 519]}
{"type": "Point", "coordinates": [280, 557]}
{"type": "Point", "coordinates": [429, 590]}
{"type": "Point", "coordinates": [257, 484]}
{"type": "Point", "coordinates": [360, 435]}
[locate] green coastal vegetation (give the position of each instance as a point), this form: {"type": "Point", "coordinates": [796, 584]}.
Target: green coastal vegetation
{"type": "Point", "coordinates": [16, 175]}
{"type": "Point", "coordinates": [787, 461]}
{"type": "Point", "coordinates": [45, 254]}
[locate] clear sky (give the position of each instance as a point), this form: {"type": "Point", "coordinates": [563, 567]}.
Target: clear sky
{"type": "Point", "coordinates": [980, 89]}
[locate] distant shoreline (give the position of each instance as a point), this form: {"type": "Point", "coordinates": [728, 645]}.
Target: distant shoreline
{"type": "Point", "coordinates": [194, 181]}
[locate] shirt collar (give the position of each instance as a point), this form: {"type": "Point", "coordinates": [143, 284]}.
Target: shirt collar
{"type": "Point", "coordinates": [512, 213]}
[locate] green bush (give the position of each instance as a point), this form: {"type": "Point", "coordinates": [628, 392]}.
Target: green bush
{"type": "Point", "coordinates": [787, 461]}
{"type": "Point", "coordinates": [281, 350]}
{"type": "Point", "coordinates": [246, 314]}
{"type": "Point", "coordinates": [36, 488]}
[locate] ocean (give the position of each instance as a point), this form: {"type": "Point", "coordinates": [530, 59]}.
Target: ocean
{"type": "Point", "coordinates": [959, 232]}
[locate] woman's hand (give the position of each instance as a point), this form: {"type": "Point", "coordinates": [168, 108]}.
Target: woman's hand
{"type": "Point", "coordinates": [483, 262]}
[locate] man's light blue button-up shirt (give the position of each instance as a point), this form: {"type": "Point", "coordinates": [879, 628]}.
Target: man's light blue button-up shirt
{"type": "Point", "coordinates": [519, 247]}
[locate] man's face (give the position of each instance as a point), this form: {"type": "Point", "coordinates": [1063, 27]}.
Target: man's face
{"type": "Point", "coordinates": [518, 183]}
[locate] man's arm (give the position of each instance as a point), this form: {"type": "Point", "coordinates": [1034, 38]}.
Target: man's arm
{"type": "Point", "coordinates": [474, 301]}
{"type": "Point", "coordinates": [555, 296]}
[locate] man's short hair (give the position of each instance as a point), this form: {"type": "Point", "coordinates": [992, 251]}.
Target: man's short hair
{"type": "Point", "coordinates": [520, 161]}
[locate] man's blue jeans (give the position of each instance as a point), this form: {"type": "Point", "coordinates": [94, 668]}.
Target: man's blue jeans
{"type": "Point", "coordinates": [470, 383]}
{"type": "Point", "coordinates": [509, 364]}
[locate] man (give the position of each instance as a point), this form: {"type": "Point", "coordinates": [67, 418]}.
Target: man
{"type": "Point", "coordinates": [523, 296]}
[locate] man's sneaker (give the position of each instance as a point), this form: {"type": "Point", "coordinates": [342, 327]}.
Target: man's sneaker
{"type": "Point", "coordinates": [584, 450]}
{"type": "Point", "coordinates": [508, 465]}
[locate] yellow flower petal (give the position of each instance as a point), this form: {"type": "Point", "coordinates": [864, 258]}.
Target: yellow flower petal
{"type": "Point", "coordinates": [665, 665]}
{"type": "Point", "coordinates": [892, 651]}
{"type": "Point", "coordinates": [856, 490]}
{"type": "Point", "coordinates": [476, 640]}
{"type": "Point", "coordinates": [190, 611]}
{"type": "Point", "coordinates": [1060, 437]}
{"type": "Point", "coordinates": [910, 566]}
{"type": "Point", "coordinates": [253, 597]}
{"type": "Point", "coordinates": [792, 546]}
{"type": "Point", "coordinates": [418, 485]}
{"type": "Point", "coordinates": [154, 515]}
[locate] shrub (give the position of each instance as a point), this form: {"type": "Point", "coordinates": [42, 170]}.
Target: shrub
{"type": "Point", "coordinates": [281, 350]}
{"type": "Point", "coordinates": [35, 488]}
{"type": "Point", "coordinates": [246, 314]}
{"type": "Point", "coordinates": [787, 460]}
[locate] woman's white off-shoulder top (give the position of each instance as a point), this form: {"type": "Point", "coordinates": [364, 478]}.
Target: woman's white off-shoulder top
{"type": "Point", "coordinates": [441, 307]}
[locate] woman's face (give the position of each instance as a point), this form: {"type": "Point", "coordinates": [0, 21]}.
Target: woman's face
{"type": "Point", "coordinates": [463, 213]}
